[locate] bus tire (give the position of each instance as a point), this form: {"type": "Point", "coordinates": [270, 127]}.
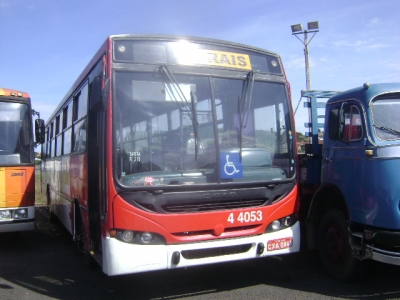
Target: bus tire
{"type": "Point", "coordinates": [335, 249]}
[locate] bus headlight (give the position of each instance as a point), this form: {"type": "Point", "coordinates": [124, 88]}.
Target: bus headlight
{"type": "Point", "coordinates": [276, 225]}
{"type": "Point", "coordinates": [137, 237]}
{"type": "Point", "coordinates": [281, 223]}
{"type": "Point", "coordinates": [5, 214]}
{"type": "Point", "coordinates": [20, 213]}
{"type": "Point", "coordinates": [146, 237]}
{"type": "Point", "coordinates": [127, 236]}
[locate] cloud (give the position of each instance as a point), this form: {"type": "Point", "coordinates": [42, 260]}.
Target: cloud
{"type": "Point", "coordinates": [298, 62]}
{"type": "Point", "coordinates": [359, 44]}
{"type": "Point", "coordinates": [374, 22]}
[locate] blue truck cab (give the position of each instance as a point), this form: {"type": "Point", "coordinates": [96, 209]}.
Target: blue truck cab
{"type": "Point", "coordinates": [351, 190]}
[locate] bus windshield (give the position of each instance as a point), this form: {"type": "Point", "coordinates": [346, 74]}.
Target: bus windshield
{"type": "Point", "coordinates": [15, 134]}
{"type": "Point", "coordinates": [175, 129]}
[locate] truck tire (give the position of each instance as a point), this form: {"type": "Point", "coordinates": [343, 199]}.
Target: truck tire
{"type": "Point", "coordinates": [334, 248]}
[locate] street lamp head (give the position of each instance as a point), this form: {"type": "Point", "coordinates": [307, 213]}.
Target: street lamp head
{"type": "Point", "coordinates": [297, 28]}
{"type": "Point", "coordinates": [313, 26]}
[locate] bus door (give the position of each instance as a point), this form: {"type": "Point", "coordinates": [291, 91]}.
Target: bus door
{"type": "Point", "coordinates": [96, 162]}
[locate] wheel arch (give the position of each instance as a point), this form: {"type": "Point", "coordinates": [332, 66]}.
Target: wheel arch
{"type": "Point", "coordinates": [327, 197]}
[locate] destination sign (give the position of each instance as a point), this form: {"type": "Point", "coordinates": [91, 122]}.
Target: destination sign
{"type": "Point", "coordinates": [215, 58]}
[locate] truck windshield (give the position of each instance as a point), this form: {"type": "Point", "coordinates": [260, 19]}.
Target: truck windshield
{"type": "Point", "coordinates": [385, 117]}
{"type": "Point", "coordinates": [200, 130]}
{"type": "Point", "coordinates": [15, 134]}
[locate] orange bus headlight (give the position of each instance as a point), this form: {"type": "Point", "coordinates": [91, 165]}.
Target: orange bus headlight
{"type": "Point", "coordinates": [14, 214]}
{"type": "Point", "coordinates": [21, 213]}
{"type": "Point", "coordinates": [5, 214]}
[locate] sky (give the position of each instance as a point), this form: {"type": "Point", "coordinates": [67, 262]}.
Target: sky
{"type": "Point", "coordinates": [45, 44]}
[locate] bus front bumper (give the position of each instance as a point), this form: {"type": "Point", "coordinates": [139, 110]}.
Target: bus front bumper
{"type": "Point", "coordinates": [13, 224]}
{"type": "Point", "coordinates": [122, 258]}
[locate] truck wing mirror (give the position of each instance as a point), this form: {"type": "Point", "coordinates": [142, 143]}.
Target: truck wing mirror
{"type": "Point", "coordinates": [39, 131]}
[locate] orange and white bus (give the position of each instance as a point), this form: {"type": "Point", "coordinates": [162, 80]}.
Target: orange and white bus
{"type": "Point", "coordinates": [17, 169]}
{"type": "Point", "coordinates": [172, 152]}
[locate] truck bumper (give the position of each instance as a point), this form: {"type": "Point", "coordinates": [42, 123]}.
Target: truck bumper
{"type": "Point", "coordinates": [376, 244]}
{"type": "Point", "coordinates": [387, 257]}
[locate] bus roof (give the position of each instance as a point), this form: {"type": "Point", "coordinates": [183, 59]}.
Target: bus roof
{"type": "Point", "coordinates": [190, 38]}
{"type": "Point", "coordinates": [107, 43]}
{"type": "Point", "coordinates": [13, 93]}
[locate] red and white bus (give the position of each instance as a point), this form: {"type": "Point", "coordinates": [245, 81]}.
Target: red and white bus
{"type": "Point", "coordinates": [173, 151]}
{"type": "Point", "coordinates": [17, 169]}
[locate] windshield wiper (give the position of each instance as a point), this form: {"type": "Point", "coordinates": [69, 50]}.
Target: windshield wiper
{"type": "Point", "coordinates": [387, 129]}
{"type": "Point", "coordinates": [173, 85]}
{"type": "Point", "coordinates": [244, 108]}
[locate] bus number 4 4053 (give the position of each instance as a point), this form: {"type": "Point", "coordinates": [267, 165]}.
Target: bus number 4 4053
{"type": "Point", "coordinates": [245, 217]}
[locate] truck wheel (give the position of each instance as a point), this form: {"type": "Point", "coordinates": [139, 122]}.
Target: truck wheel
{"type": "Point", "coordinates": [334, 248]}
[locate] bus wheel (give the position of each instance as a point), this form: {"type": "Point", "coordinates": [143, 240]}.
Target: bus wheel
{"type": "Point", "coordinates": [334, 248]}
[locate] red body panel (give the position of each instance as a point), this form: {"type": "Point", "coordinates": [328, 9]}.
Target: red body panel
{"type": "Point", "coordinates": [178, 228]}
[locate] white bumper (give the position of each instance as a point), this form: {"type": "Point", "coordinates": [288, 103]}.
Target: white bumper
{"type": "Point", "coordinates": [122, 258]}
{"type": "Point", "coordinates": [20, 224]}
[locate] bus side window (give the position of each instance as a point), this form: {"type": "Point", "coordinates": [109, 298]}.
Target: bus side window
{"type": "Point", "coordinates": [67, 141]}
{"type": "Point", "coordinates": [80, 105]}
{"type": "Point", "coordinates": [80, 112]}
{"type": "Point", "coordinates": [80, 136]}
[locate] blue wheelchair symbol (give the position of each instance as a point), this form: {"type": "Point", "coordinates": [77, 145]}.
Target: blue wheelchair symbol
{"type": "Point", "coordinates": [230, 165]}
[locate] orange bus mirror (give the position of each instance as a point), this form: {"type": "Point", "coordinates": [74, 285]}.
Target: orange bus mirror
{"type": "Point", "coordinates": [39, 131]}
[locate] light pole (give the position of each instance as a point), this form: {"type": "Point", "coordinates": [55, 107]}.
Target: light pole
{"type": "Point", "coordinates": [312, 27]}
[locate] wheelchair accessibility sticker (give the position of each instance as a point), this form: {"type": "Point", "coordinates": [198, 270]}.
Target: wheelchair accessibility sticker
{"type": "Point", "coordinates": [230, 165]}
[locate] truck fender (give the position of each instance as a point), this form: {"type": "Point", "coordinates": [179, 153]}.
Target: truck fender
{"type": "Point", "coordinates": [327, 196]}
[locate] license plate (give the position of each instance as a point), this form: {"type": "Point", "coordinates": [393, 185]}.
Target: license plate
{"type": "Point", "coordinates": [279, 244]}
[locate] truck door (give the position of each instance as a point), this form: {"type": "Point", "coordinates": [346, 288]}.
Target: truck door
{"type": "Point", "coordinates": [345, 164]}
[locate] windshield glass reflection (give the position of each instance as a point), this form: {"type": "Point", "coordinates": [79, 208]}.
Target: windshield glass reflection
{"type": "Point", "coordinates": [199, 130]}
{"type": "Point", "coordinates": [15, 134]}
